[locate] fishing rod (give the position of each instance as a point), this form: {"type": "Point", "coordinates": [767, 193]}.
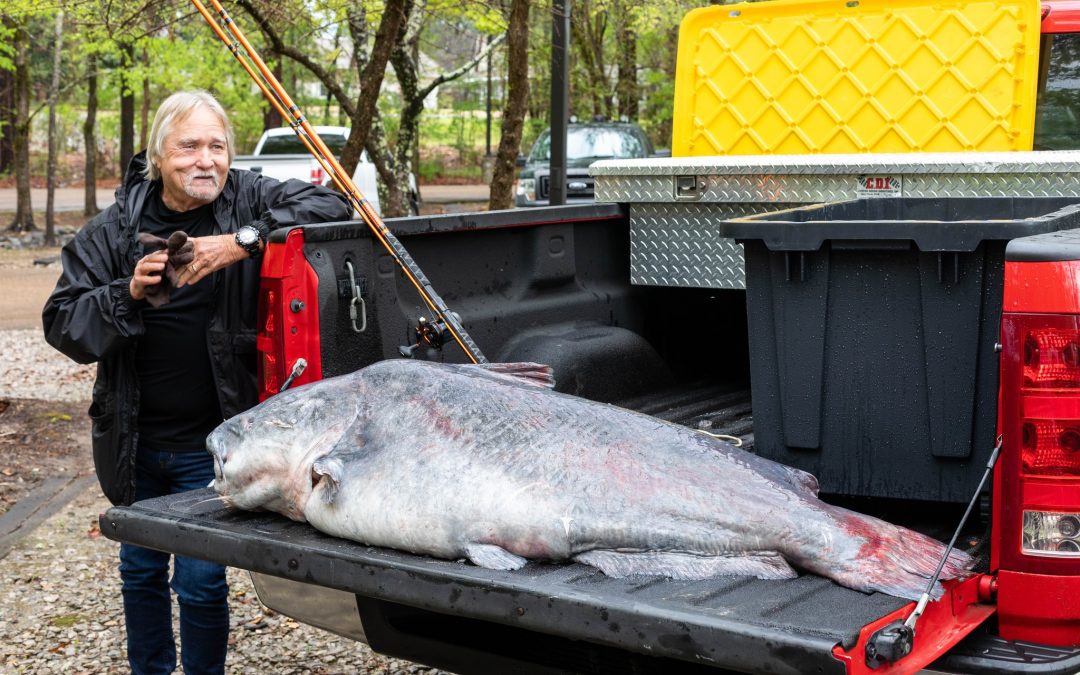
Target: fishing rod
{"type": "Point", "coordinates": [280, 99]}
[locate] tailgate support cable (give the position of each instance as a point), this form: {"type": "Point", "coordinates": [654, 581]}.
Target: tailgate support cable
{"type": "Point", "coordinates": [896, 640]}
{"type": "Point", "coordinates": [921, 607]}
{"type": "Point", "coordinates": [284, 104]}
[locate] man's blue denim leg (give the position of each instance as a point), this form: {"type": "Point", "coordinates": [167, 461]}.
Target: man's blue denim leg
{"type": "Point", "coordinates": [200, 586]}
{"type": "Point", "coordinates": [145, 576]}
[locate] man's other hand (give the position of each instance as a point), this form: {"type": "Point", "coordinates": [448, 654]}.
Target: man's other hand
{"type": "Point", "coordinates": [148, 272]}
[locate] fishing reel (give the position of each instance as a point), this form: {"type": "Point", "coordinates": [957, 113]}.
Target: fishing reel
{"type": "Point", "coordinates": [433, 334]}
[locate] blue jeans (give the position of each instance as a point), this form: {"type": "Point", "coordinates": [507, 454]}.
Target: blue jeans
{"type": "Point", "coordinates": [200, 586]}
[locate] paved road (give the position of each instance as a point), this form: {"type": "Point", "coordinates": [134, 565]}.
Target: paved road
{"type": "Point", "coordinates": [71, 199]}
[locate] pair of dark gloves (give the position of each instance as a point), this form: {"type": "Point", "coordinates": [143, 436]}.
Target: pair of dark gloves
{"type": "Point", "coordinates": [181, 252]}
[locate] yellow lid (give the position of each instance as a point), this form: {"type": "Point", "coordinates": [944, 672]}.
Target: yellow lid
{"type": "Point", "coordinates": [836, 76]}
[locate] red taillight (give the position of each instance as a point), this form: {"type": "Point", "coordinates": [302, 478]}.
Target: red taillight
{"type": "Point", "coordinates": [1050, 447]}
{"type": "Point", "coordinates": [269, 340]}
{"type": "Point", "coordinates": [1051, 359]}
{"type": "Point", "coordinates": [1049, 392]}
{"type": "Point", "coordinates": [1037, 486]}
{"type": "Point", "coordinates": [1040, 465]}
{"type": "Point", "coordinates": [318, 176]}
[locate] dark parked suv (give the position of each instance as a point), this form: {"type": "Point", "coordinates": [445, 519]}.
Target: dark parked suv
{"type": "Point", "coordinates": [585, 144]}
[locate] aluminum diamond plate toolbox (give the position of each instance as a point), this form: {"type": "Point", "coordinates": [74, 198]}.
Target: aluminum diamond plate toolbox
{"type": "Point", "coordinates": [675, 203]}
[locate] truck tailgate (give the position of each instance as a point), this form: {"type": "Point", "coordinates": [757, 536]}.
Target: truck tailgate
{"type": "Point", "coordinates": [738, 622]}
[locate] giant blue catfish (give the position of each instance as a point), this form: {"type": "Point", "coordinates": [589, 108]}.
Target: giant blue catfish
{"type": "Point", "coordinates": [488, 463]}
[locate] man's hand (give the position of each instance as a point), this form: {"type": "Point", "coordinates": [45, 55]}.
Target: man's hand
{"type": "Point", "coordinates": [148, 272]}
{"type": "Point", "coordinates": [210, 255]}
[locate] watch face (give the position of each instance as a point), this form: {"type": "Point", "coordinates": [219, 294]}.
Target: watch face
{"type": "Point", "coordinates": [247, 236]}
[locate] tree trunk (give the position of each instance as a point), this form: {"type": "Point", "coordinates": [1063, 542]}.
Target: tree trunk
{"type": "Point", "coordinates": [664, 129]}
{"type": "Point", "coordinates": [405, 57]}
{"type": "Point", "coordinates": [144, 121]}
{"type": "Point", "coordinates": [271, 117]}
{"type": "Point", "coordinates": [394, 18]}
{"type": "Point", "coordinates": [50, 171]}
{"type": "Point", "coordinates": [627, 86]}
{"type": "Point", "coordinates": [406, 60]}
{"type": "Point", "coordinates": [587, 28]}
{"type": "Point", "coordinates": [517, 100]}
{"type": "Point", "coordinates": [24, 214]}
{"type": "Point", "coordinates": [127, 110]}
{"type": "Point", "coordinates": [7, 114]}
{"type": "Point", "coordinates": [90, 207]}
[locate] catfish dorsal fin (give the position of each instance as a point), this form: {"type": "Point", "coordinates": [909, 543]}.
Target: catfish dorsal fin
{"type": "Point", "coordinates": [536, 374]}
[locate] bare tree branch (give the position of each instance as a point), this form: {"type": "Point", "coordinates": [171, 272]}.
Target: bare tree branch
{"type": "Point", "coordinates": [325, 76]}
{"type": "Point", "coordinates": [458, 72]}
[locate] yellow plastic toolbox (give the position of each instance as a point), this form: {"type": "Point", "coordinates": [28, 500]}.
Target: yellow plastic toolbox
{"type": "Point", "coordinates": [856, 76]}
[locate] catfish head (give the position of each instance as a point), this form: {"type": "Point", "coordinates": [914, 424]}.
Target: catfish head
{"type": "Point", "coordinates": [263, 457]}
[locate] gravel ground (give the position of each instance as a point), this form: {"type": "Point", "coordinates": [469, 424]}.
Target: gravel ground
{"type": "Point", "coordinates": [60, 607]}
{"type": "Point", "coordinates": [30, 368]}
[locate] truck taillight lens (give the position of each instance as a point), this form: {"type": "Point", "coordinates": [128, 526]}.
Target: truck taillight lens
{"type": "Point", "coordinates": [1050, 447]}
{"type": "Point", "coordinates": [1051, 534]}
{"type": "Point", "coordinates": [318, 176]}
{"type": "Point", "coordinates": [1051, 359]}
{"type": "Point", "coordinates": [1040, 462]}
{"type": "Point", "coordinates": [271, 345]}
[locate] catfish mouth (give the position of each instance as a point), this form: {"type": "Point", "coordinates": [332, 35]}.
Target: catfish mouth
{"type": "Point", "coordinates": [216, 452]}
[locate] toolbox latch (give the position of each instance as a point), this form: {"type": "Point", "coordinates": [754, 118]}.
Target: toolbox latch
{"type": "Point", "coordinates": [689, 188]}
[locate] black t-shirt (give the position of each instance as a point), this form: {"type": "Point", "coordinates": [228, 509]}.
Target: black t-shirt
{"type": "Point", "coordinates": [178, 402]}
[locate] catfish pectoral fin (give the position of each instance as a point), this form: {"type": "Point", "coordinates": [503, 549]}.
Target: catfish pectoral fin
{"type": "Point", "coordinates": [688, 566]}
{"type": "Point", "coordinates": [493, 557]}
{"type": "Point", "coordinates": [327, 472]}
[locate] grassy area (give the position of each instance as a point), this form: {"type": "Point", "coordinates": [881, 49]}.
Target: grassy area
{"type": "Point", "coordinates": [452, 145]}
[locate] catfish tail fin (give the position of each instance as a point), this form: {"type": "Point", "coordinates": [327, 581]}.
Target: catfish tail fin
{"type": "Point", "coordinates": [882, 557]}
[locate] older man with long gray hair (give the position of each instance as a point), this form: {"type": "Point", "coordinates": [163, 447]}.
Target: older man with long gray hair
{"type": "Point", "coordinates": [160, 290]}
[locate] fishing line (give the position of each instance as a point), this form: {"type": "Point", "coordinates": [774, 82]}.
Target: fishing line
{"type": "Point", "coordinates": [734, 440]}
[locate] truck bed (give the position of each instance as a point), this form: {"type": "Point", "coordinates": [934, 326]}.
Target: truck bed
{"type": "Point", "coordinates": [565, 617]}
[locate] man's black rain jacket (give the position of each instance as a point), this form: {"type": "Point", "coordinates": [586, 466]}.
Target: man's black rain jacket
{"type": "Point", "coordinates": [91, 316]}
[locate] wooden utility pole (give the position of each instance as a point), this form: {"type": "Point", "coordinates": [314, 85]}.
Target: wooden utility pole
{"type": "Point", "coordinates": [560, 99]}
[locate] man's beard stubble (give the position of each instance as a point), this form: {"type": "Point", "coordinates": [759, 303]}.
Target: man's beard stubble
{"type": "Point", "coordinates": [202, 193]}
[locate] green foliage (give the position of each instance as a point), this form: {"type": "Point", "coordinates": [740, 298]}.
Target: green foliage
{"type": "Point", "coordinates": [174, 49]}
{"type": "Point", "coordinates": [435, 170]}
{"type": "Point", "coordinates": [198, 60]}
{"type": "Point", "coordinates": [7, 48]}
